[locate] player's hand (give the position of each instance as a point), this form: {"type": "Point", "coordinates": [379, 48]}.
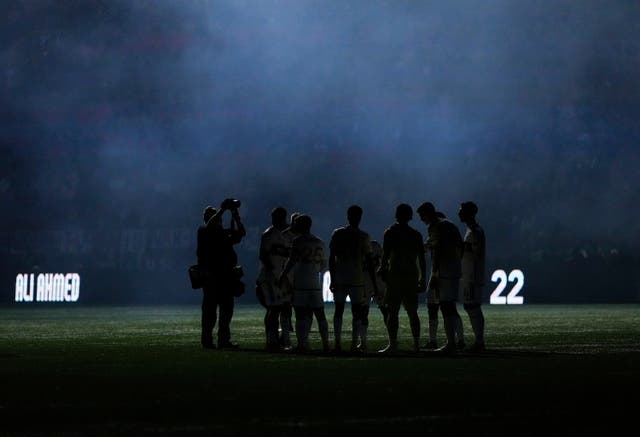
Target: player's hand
{"type": "Point", "coordinates": [422, 286]}
{"type": "Point", "coordinates": [382, 273]}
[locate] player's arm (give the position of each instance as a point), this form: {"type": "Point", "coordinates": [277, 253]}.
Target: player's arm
{"type": "Point", "coordinates": [291, 261]}
{"type": "Point", "coordinates": [478, 252]}
{"type": "Point", "coordinates": [332, 261]}
{"type": "Point", "coordinates": [422, 265]}
{"type": "Point", "coordinates": [237, 228]}
{"type": "Point", "coordinates": [384, 261]}
{"type": "Point", "coordinates": [264, 257]}
{"type": "Point", "coordinates": [370, 264]}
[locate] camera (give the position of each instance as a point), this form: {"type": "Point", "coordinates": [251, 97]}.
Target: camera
{"type": "Point", "coordinates": [230, 204]}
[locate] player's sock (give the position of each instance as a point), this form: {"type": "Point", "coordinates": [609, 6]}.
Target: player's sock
{"type": "Point", "coordinates": [307, 329]}
{"type": "Point", "coordinates": [300, 332]}
{"type": "Point", "coordinates": [323, 327]}
{"type": "Point", "coordinates": [337, 331]}
{"type": "Point", "coordinates": [355, 334]}
{"type": "Point", "coordinates": [433, 330]}
{"type": "Point", "coordinates": [477, 323]}
{"type": "Point", "coordinates": [450, 330]}
{"type": "Point", "coordinates": [459, 330]}
{"type": "Point", "coordinates": [364, 329]}
{"type": "Point", "coordinates": [272, 338]}
{"type": "Point", "coordinates": [285, 322]}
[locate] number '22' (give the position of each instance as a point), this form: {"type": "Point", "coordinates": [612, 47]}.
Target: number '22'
{"type": "Point", "coordinates": [512, 298]}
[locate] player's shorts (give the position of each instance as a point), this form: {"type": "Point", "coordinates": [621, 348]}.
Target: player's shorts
{"type": "Point", "coordinates": [273, 295]}
{"type": "Point", "coordinates": [471, 294]}
{"type": "Point", "coordinates": [308, 298]}
{"type": "Point", "coordinates": [402, 290]}
{"type": "Point", "coordinates": [447, 290]}
{"type": "Point", "coordinates": [432, 297]}
{"type": "Point", "coordinates": [356, 294]}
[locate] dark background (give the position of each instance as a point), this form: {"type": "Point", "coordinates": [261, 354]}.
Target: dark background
{"type": "Point", "coordinates": [120, 121]}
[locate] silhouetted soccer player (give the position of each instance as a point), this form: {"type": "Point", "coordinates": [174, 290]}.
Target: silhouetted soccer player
{"type": "Point", "coordinates": [273, 256]}
{"type": "Point", "coordinates": [446, 254]}
{"type": "Point", "coordinates": [349, 261]}
{"type": "Point", "coordinates": [433, 305]}
{"type": "Point", "coordinates": [307, 262]}
{"type": "Point", "coordinates": [403, 268]}
{"type": "Point", "coordinates": [289, 235]}
{"type": "Point", "coordinates": [376, 293]}
{"type": "Point", "coordinates": [217, 256]}
{"type": "Point", "coordinates": [473, 272]}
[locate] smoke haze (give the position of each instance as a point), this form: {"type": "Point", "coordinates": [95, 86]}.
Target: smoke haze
{"type": "Point", "coordinates": [122, 116]}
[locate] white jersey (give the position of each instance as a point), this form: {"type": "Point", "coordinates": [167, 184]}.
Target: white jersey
{"type": "Point", "coordinates": [308, 254]}
{"type": "Point", "coordinates": [350, 246]}
{"type": "Point", "coordinates": [445, 243]}
{"type": "Point", "coordinates": [274, 245]}
{"type": "Point", "coordinates": [474, 256]}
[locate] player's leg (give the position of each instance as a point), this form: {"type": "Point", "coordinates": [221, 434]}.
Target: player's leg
{"type": "Point", "coordinates": [410, 303]}
{"type": "Point", "coordinates": [273, 323]}
{"type": "Point", "coordinates": [393, 301]}
{"type": "Point", "coordinates": [300, 327]}
{"type": "Point", "coordinates": [476, 317]}
{"type": "Point", "coordinates": [448, 294]}
{"type": "Point", "coordinates": [323, 327]}
{"type": "Point", "coordinates": [448, 309]}
{"type": "Point", "coordinates": [432, 312]}
{"type": "Point", "coordinates": [285, 326]}
{"type": "Point", "coordinates": [208, 320]}
{"type": "Point", "coordinates": [460, 344]}
{"type": "Point", "coordinates": [339, 299]}
{"type": "Point", "coordinates": [226, 304]}
{"type": "Point", "coordinates": [364, 328]}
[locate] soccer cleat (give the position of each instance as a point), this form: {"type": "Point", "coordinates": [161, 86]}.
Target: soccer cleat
{"type": "Point", "coordinates": [228, 345]}
{"type": "Point", "coordinates": [337, 348]}
{"type": "Point", "coordinates": [460, 345]}
{"type": "Point", "coordinates": [477, 347]}
{"type": "Point", "coordinates": [430, 345]}
{"type": "Point", "coordinates": [447, 349]}
{"type": "Point", "coordinates": [208, 346]}
{"type": "Point", "coordinates": [390, 349]}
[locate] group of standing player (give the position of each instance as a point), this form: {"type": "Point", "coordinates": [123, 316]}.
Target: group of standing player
{"type": "Point", "coordinates": [392, 276]}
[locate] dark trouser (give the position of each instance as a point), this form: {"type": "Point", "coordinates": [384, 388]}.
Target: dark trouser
{"type": "Point", "coordinates": [212, 299]}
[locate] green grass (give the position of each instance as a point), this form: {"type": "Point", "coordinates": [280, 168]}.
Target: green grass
{"type": "Point", "coordinates": [112, 370]}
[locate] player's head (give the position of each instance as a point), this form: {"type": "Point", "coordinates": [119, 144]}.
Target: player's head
{"type": "Point", "coordinates": [427, 212]}
{"type": "Point", "coordinates": [354, 215]}
{"type": "Point", "coordinates": [467, 212]}
{"type": "Point", "coordinates": [302, 224]}
{"type": "Point", "coordinates": [404, 213]}
{"type": "Point", "coordinates": [279, 217]}
{"type": "Point", "coordinates": [208, 212]}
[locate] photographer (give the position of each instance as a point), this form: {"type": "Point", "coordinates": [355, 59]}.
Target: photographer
{"type": "Point", "coordinates": [218, 258]}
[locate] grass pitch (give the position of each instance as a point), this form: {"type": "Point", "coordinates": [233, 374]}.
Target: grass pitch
{"type": "Point", "coordinates": [140, 370]}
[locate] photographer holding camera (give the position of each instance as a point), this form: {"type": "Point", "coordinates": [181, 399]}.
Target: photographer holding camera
{"type": "Point", "coordinates": [217, 257]}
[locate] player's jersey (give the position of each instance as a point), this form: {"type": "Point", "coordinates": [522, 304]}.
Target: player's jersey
{"type": "Point", "coordinates": [273, 243]}
{"type": "Point", "coordinates": [403, 245]}
{"type": "Point", "coordinates": [445, 242]}
{"type": "Point", "coordinates": [376, 256]}
{"type": "Point", "coordinates": [473, 258]}
{"type": "Point", "coordinates": [308, 254]}
{"type": "Point", "coordinates": [349, 245]}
